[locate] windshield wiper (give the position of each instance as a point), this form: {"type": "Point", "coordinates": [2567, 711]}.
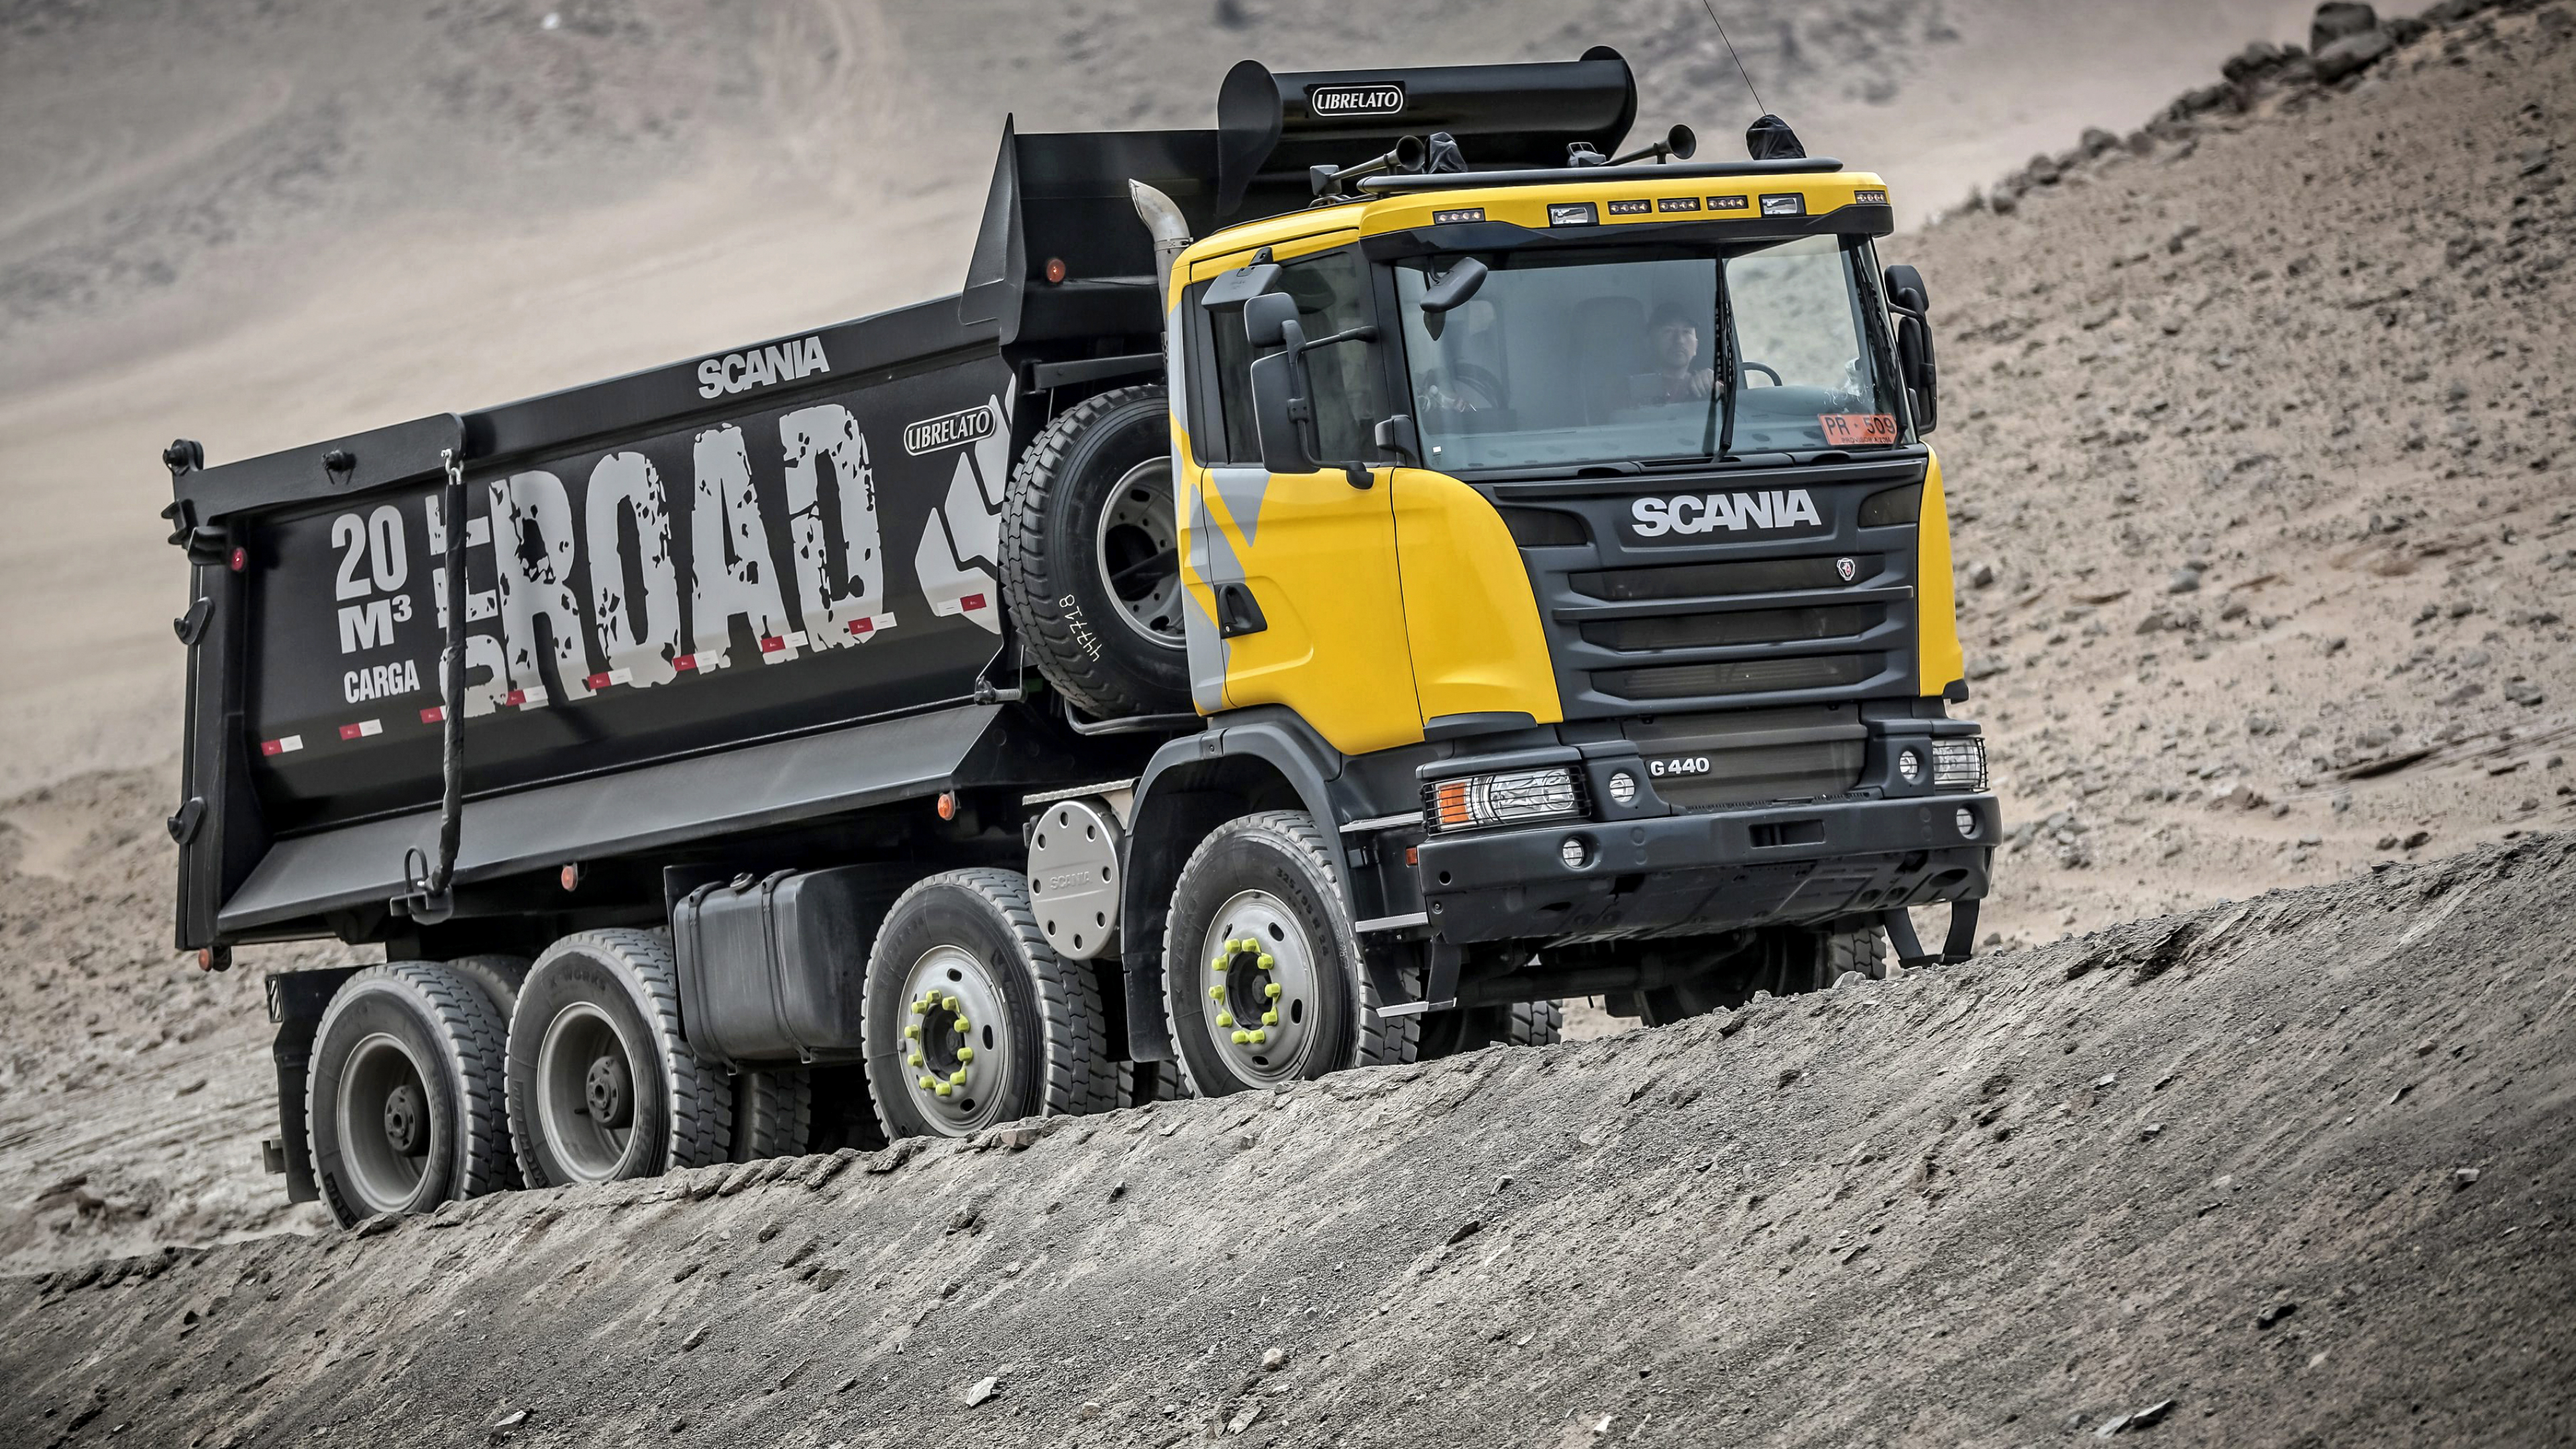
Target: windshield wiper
{"type": "Point", "coordinates": [1719, 436]}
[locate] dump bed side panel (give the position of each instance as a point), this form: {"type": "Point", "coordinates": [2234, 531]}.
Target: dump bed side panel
{"type": "Point", "coordinates": [826, 554]}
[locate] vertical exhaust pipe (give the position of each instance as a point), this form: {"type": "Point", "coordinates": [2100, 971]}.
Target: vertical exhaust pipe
{"type": "Point", "coordinates": [1171, 233]}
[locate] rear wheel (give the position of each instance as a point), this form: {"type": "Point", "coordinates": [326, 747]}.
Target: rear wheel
{"type": "Point", "coordinates": [1784, 961]}
{"type": "Point", "coordinates": [1518, 1023]}
{"type": "Point", "coordinates": [1091, 555]}
{"type": "Point", "coordinates": [403, 1097]}
{"type": "Point", "coordinates": [498, 978]}
{"type": "Point", "coordinates": [972, 1020]}
{"type": "Point", "coordinates": [1263, 982]}
{"type": "Point", "coordinates": [773, 1113]}
{"type": "Point", "coordinates": [602, 1084]}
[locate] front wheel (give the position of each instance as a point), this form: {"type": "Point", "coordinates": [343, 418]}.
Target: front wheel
{"type": "Point", "coordinates": [972, 1020]}
{"type": "Point", "coordinates": [1263, 982]}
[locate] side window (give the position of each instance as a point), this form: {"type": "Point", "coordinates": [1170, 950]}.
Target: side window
{"type": "Point", "coordinates": [1331, 289]}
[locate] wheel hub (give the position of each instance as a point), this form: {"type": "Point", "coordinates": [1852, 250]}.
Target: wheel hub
{"type": "Point", "coordinates": [1137, 551]}
{"type": "Point", "coordinates": [384, 1125]}
{"type": "Point", "coordinates": [1259, 995]}
{"type": "Point", "coordinates": [609, 1092]}
{"type": "Point", "coordinates": [406, 1125]}
{"type": "Point", "coordinates": [956, 1041]}
{"type": "Point", "coordinates": [585, 1094]}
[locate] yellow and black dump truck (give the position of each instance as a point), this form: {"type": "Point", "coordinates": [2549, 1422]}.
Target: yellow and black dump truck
{"type": "Point", "coordinates": [1327, 588]}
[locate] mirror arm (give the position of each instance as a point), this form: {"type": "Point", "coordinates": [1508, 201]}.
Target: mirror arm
{"type": "Point", "coordinates": [1355, 334]}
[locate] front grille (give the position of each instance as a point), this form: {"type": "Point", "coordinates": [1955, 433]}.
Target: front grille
{"type": "Point", "coordinates": [1716, 580]}
{"type": "Point", "coordinates": [1754, 626]}
{"type": "Point", "coordinates": [1749, 676]}
{"type": "Point", "coordinates": [1749, 619]}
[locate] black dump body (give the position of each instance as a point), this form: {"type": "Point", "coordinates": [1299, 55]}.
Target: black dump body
{"type": "Point", "coordinates": [734, 611]}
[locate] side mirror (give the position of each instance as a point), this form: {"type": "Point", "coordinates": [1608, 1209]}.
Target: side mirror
{"type": "Point", "coordinates": [1453, 290]}
{"type": "Point", "coordinates": [1282, 412]}
{"type": "Point", "coordinates": [1267, 318]}
{"type": "Point", "coordinates": [1915, 357]}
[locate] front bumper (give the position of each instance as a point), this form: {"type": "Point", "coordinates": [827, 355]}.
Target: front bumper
{"type": "Point", "coordinates": [1706, 872]}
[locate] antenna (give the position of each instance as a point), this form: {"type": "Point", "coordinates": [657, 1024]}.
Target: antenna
{"type": "Point", "coordinates": [1731, 55]}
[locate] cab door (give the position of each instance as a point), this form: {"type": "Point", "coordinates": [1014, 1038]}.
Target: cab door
{"type": "Point", "coordinates": [1294, 575]}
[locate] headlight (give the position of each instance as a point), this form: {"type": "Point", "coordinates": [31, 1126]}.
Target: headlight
{"type": "Point", "coordinates": [1505, 799]}
{"type": "Point", "coordinates": [1959, 764]}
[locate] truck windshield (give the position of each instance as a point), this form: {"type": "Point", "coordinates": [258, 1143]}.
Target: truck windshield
{"type": "Point", "coordinates": [1615, 356]}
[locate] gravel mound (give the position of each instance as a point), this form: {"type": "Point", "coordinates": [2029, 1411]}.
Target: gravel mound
{"type": "Point", "coordinates": [2296, 1169]}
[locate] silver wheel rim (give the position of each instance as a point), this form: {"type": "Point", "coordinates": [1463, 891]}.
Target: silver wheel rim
{"type": "Point", "coordinates": [1139, 526]}
{"type": "Point", "coordinates": [384, 1166]}
{"type": "Point", "coordinates": [957, 1042]}
{"type": "Point", "coordinates": [582, 1038]}
{"type": "Point", "coordinates": [1253, 944]}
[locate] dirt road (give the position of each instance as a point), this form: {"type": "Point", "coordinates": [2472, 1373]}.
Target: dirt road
{"type": "Point", "coordinates": [2296, 1170]}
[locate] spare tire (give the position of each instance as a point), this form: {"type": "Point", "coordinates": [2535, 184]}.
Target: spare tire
{"type": "Point", "coordinates": [1091, 557]}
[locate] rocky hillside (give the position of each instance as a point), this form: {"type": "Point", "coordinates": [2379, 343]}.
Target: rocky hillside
{"type": "Point", "coordinates": [2256, 426]}
{"type": "Point", "coordinates": [2298, 1170]}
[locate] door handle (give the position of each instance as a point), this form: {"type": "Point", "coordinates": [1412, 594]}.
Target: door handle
{"type": "Point", "coordinates": [1237, 612]}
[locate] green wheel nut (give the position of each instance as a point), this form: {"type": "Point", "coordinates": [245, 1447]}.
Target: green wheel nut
{"type": "Point", "coordinates": [958, 1077]}
{"type": "Point", "coordinates": [1219, 963]}
{"type": "Point", "coordinates": [1259, 1037]}
{"type": "Point", "coordinates": [949, 1002]}
{"type": "Point", "coordinates": [1270, 1018]}
{"type": "Point", "coordinates": [965, 1054]}
{"type": "Point", "coordinates": [1267, 961]}
{"type": "Point", "coordinates": [1243, 1038]}
{"type": "Point", "coordinates": [964, 1026]}
{"type": "Point", "coordinates": [913, 1061]}
{"type": "Point", "coordinates": [1216, 993]}
{"type": "Point", "coordinates": [913, 1031]}
{"type": "Point", "coordinates": [946, 1090]}
{"type": "Point", "coordinates": [1273, 990]}
{"type": "Point", "coordinates": [1225, 1018]}
{"type": "Point", "coordinates": [927, 1084]}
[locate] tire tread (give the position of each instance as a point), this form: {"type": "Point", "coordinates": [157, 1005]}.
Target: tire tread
{"type": "Point", "coordinates": [470, 1027]}
{"type": "Point", "coordinates": [1094, 684]}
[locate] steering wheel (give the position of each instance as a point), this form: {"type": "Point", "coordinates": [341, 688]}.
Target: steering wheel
{"type": "Point", "coordinates": [1467, 376]}
{"type": "Point", "coordinates": [1761, 367]}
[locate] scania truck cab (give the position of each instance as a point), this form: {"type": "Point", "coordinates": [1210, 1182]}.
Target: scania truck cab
{"type": "Point", "coordinates": [1576, 521]}
{"type": "Point", "coordinates": [1327, 588]}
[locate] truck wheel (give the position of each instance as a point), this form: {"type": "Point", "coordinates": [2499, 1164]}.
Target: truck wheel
{"type": "Point", "coordinates": [402, 1102]}
{"type": "Point", "coordinates": [1262, 977]}
{"type": "Point", "coordinates": [602, 1084]}
{"type": "Point", "coordinates": [1519, 1023]}
{"type": "Point", "coordinates": [773, 1113]}
{"type": "Point", "coordinates": [1785, 961]}
{"type": "Point", "coordinates": [498, 976]}
{"type": "Point", "coordinates": [1091, 558]}
{"type": "Point", "coordinates": [972, 1020]}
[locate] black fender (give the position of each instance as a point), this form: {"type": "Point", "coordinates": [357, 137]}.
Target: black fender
{"type": "Point", "coordinates": [296, 1001]}
{"type": "Point", "coordinates": [1256, 759]}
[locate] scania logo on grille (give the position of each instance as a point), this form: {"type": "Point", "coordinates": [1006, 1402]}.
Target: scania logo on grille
{"type": "Point", "coordinates": [1694, 513]}
{"type": "Point", "coordinates": [1847, 568]}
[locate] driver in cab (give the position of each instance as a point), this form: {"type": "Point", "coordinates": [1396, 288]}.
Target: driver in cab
{"type": "Point", "coordinates": [1673, 340]}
